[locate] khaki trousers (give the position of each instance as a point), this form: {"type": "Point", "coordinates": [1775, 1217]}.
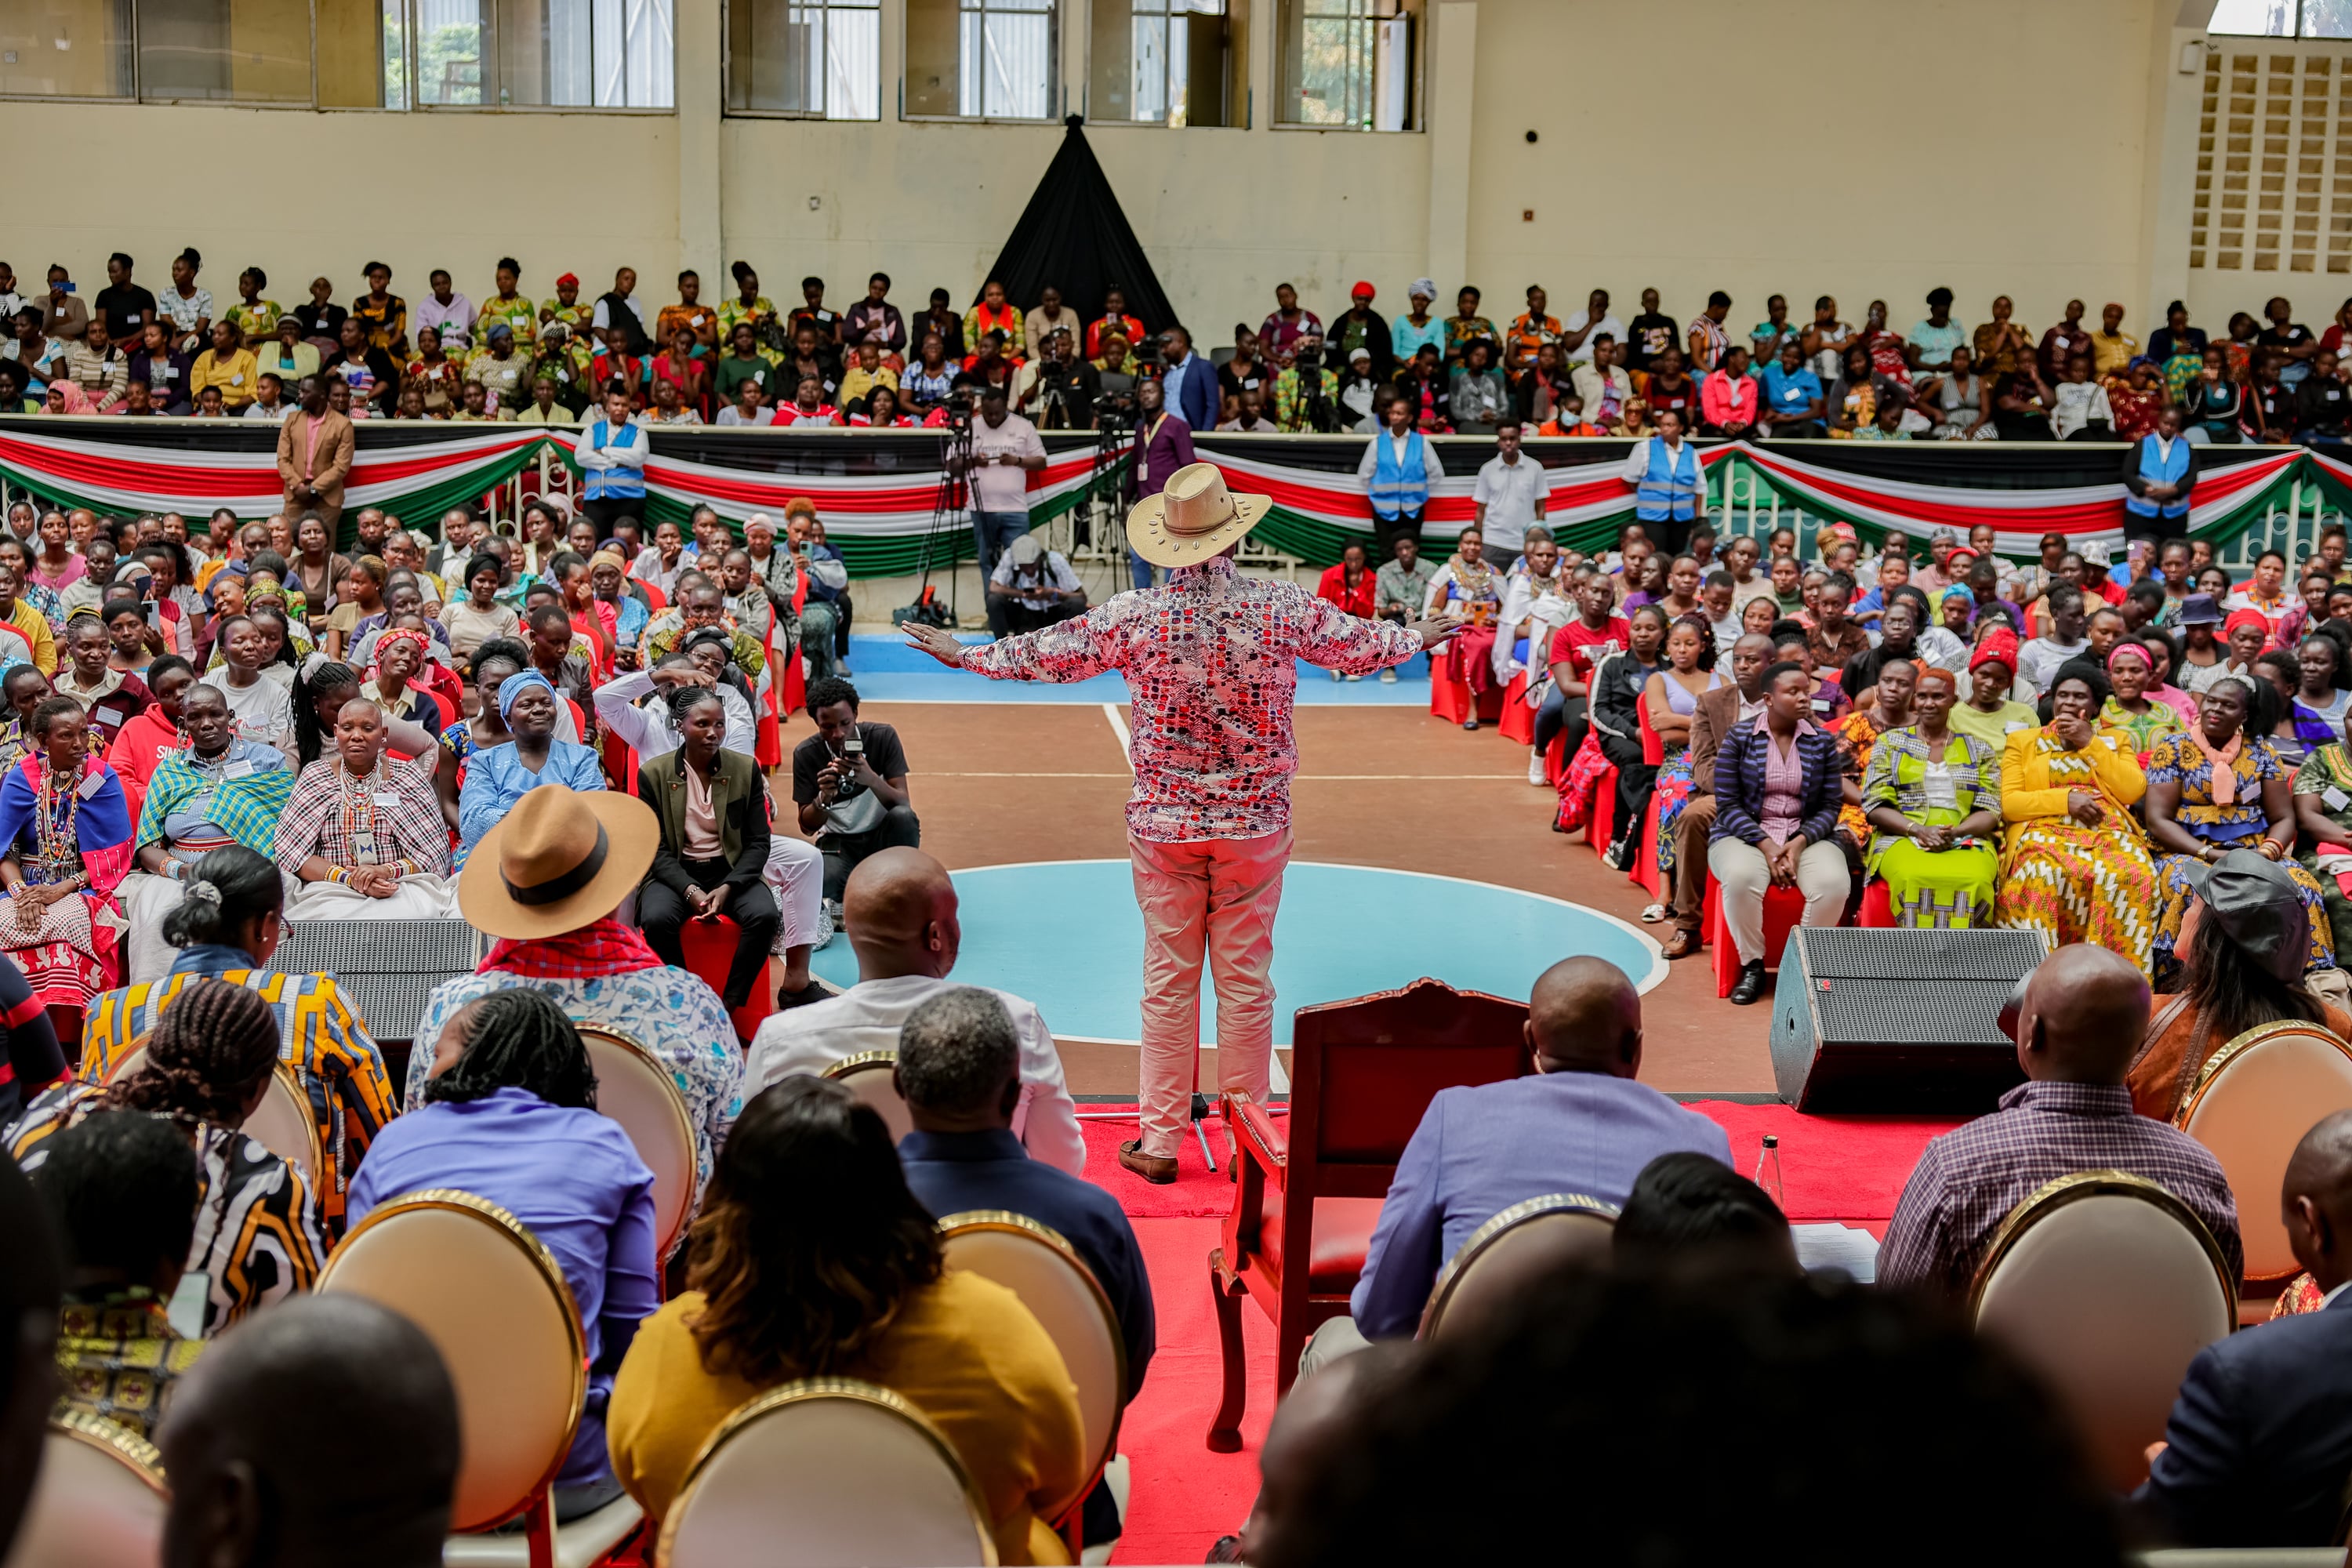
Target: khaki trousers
{"type": "Point", "coordinates": [1213, 898]}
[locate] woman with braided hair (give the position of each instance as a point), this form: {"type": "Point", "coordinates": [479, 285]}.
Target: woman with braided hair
{"type": "Point", "coordinates": [713, 857]}
{"type": "Point", "coordinates": [208, 1064]}
{"type": "Point", "coordinates": [509, 1115]}
{"type": "Point", "coordinates": [321, 695]}
{"type": "Point", "coordinates": [227, 926]}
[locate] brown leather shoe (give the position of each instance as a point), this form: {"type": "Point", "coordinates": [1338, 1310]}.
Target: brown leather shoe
{"type": "Point", "coordinates": [1160, 1170]}
{"type": "Point", "coordinates": [1681, 944]}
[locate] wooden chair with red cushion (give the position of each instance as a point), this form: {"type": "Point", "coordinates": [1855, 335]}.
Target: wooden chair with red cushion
{"type": "Point", "coordinates": [1309, 1185]}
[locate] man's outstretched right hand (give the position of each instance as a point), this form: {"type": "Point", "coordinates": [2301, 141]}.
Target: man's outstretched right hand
{"type": "Point", "coordinates": [1432, 632]}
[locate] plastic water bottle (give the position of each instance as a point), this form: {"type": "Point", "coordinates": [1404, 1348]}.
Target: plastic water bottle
{"type": "Point", "coordinates": [1767, 1169]}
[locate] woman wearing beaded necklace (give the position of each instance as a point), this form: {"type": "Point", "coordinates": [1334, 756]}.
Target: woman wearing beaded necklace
{"type": "Point", "coordinates": [363, 834]}
{"type": "Point", "coordinates": [67, 833]}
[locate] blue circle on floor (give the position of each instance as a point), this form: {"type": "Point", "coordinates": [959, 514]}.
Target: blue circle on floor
{"type": "Point", "coordinates": [1066, 935]}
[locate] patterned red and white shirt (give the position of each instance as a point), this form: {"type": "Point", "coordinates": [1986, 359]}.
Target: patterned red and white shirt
{"type": "Point", "coordinates": [1209, 661]}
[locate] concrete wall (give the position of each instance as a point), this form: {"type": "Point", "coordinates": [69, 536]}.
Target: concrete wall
{"type": "Point", "coordinates": [1851, 147]}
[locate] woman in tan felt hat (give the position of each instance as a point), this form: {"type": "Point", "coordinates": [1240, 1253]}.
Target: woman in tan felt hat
{"type": "Point", "coordinates": [1210, 671]}
{"type": "Point", "coordinates": [547, 881]}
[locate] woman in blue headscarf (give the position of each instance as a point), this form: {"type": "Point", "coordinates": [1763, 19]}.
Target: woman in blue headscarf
{"type": "Point", "coordinates": [497, 778]}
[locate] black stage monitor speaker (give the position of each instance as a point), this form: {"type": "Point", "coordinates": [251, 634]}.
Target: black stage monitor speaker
{"type": "Point", "coordinates": [1898, 1020]}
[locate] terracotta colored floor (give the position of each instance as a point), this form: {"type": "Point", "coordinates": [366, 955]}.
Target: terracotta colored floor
{"type": "Point", "coordinates": [1376, 786]}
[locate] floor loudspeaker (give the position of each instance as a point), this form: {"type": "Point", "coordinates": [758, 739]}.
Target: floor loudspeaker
{"type": "Point", "coordinates": [1898, 1020]}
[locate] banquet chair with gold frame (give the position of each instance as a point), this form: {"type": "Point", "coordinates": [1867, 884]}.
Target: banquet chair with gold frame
{"type": "Point", "coordinates": [2250, 1104]}
{"type": "Point", "coordinates": [282, 1123]}
{"type": "Point", "coordinates": [1037, 1264]}
{"type": "Point", "coordinates": [2108, 1286]}
{"type": "Point", "coordinates": [1510, 1252]}
{"type": "Point", "coordinates": [639, 1090]}
{"type": "Point", "coordinates": [870, 1076]}
{"type": "Point", "coordinates": [826, 1471]}
{"type": "Point", "coordinates": [99, 1502]}
{"type": "Point", "coordinates": [493, 1301]}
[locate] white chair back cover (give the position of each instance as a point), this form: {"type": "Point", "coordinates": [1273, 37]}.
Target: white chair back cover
{"type": "Point", "coordinates": [2107, 1286]}
{"type": "Point", "coordinates": [2254, 1101]}
{"type": "Point", "coordinates": [822, 1473]}
{"type": "Point", "coordinates": [282, 1123]}
{"type": "Point", "coordinates": [867, 1074]}
{"type": "Point", "coordinates": [1510, 1251]}
{"type": "Point", "coordinates": [635, 1089]}
{"type": "Point", "coordinates": [1038, 1265]}
{"type": "Point", "coordinates": [99, 1502]}
{"type": "Point", "coordinates": [494, 1302]}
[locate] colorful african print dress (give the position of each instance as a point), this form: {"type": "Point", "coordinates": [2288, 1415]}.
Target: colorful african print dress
{"type": "Point", "coordinates": [1860, 733]}
{"type": "Point", "coordinates": [62, 830]}
{"type": "Point", "coordinates": [2071, 882]}
{"type": "Point", "coordinates": [1675, 787]}
{"type": "Point", "coordinates": [1942, 888]}
{"type": "Point", "coordinates": [257, 1238]}
{"type": "Point", "coordinates": [2327, 773]}
{"type": "Point", "coordinates": [2239, 825]}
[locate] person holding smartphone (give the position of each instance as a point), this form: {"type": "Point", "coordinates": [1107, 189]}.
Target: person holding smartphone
{"type": "Point", "coordinates": [849, 783]}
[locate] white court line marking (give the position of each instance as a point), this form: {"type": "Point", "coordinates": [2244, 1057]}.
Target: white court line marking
{"type": "Point", "coordinates": [1119, 728]}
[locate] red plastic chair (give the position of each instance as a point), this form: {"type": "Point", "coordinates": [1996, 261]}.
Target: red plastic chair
{"type": "Point", "coordinates": [1601, 820]}
{"type": "Point", "coordinates": [1878, 912]}
{"type": "Point", "coordinates": [1517, 720]}
{"type": "Point", "coordinates": [1645, 873]}
{"type": "Point", "coordinates": [1449, 694]}
{"type": "Point", "coordinates": [1783, 909]}
{"type": "Point", "coordinates": [1555, 762]}
{"type": "Point", "coordinates": [710, 948]}
{"type": "Point", "coordinates": [1308, 1188]}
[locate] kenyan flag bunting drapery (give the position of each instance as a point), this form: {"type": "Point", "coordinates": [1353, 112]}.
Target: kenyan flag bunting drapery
{"type": "Point", "coordinates": [885, 503]}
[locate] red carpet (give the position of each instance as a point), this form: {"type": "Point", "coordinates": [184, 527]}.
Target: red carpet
{"type": "Point", "coordinates": [1185, 1496]}
{"type": "Point", "coordinates": [1832, 1168]}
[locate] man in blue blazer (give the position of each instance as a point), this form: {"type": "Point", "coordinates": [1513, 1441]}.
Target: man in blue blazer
{"type": "Point", "coordinates": [2259, 1447]}
{"type": "Point", "coordinates": [1189, 381]}
{"type": "Point", "coordinates": [1579, 1124]}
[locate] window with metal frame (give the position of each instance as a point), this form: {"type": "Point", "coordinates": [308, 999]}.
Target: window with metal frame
{"type": "Point", "coordinates": [1349, 64]}
{"type": "Point", "coordinates": [815, 59]}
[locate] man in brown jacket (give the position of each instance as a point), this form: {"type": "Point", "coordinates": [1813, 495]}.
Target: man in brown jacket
{"type": "Point", "coordinates": [314, 456]}
{"type": "Point", "coordinates": [1719, 711]}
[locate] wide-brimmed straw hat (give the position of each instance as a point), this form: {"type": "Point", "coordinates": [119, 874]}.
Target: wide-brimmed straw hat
{"type": "Point", "coordinates": [1194, 519]}
{"type": "Point", "coordinates": [560, 859]}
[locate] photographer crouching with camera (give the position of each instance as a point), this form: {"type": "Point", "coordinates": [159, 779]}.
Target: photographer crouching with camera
{"type": "Point", "coordinates": [1032, 586]}
{"type": "Point", "coordinates": [849, 783]}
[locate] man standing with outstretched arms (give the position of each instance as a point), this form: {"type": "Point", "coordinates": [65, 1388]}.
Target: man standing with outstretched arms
{"type": "Point", "coordinates": [1209, 662]}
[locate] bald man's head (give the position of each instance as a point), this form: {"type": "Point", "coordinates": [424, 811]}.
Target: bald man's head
{"type": "Point", "coordinates": [2315, 1200]}
{"type": "Point", "coordinates": [1584, 1016]}
{"type": "Point", "coordinates": [317, 1375]}
{"type": "Point", "coordinates": [30, 1288]}
{"type": "Point", "coordinates": [900, 907]}
{"type": "Point", "coordinates": [2084, 1015]}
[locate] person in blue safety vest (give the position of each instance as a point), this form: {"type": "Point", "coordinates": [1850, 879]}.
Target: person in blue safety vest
{"type": "Point", "coordinates": [1398, 466]}
{"type": "Point", "coordinates": [612, 455]}
{"type": "Point", "coordinates": [1669, 485]}
{"type": "Point", "coordinates": [2159, 473]}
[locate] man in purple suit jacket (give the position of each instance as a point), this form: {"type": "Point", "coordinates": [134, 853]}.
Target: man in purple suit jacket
{"type": "Point", "coordinates": [1581, 1124]}
{"type": "Point", "coordinates": [1163, 443]}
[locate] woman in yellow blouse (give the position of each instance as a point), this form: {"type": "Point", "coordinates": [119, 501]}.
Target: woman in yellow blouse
{"type": "Point", "coordinates": [2075, 866]}
{"type": "Point", "coordinates": [812, 1259]}
{"type": "Point", "coordinates": [230, 365]}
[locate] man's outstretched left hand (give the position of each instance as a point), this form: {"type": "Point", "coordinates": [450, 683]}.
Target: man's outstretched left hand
{"type": "Point", "coordinates": [1434, 632]}
{"type": "Point", "coordinates": [937, 641]}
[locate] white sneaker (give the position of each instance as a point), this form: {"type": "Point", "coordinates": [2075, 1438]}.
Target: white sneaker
{"type": "Point", "coordinates": [1335, 678]}
{"type": "Point", "coordinates": [1536, 768]}
{"type": "Point", "coordinates": [1355, 678]}
{"type": "Point", "coordinates": [1388, 676]}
